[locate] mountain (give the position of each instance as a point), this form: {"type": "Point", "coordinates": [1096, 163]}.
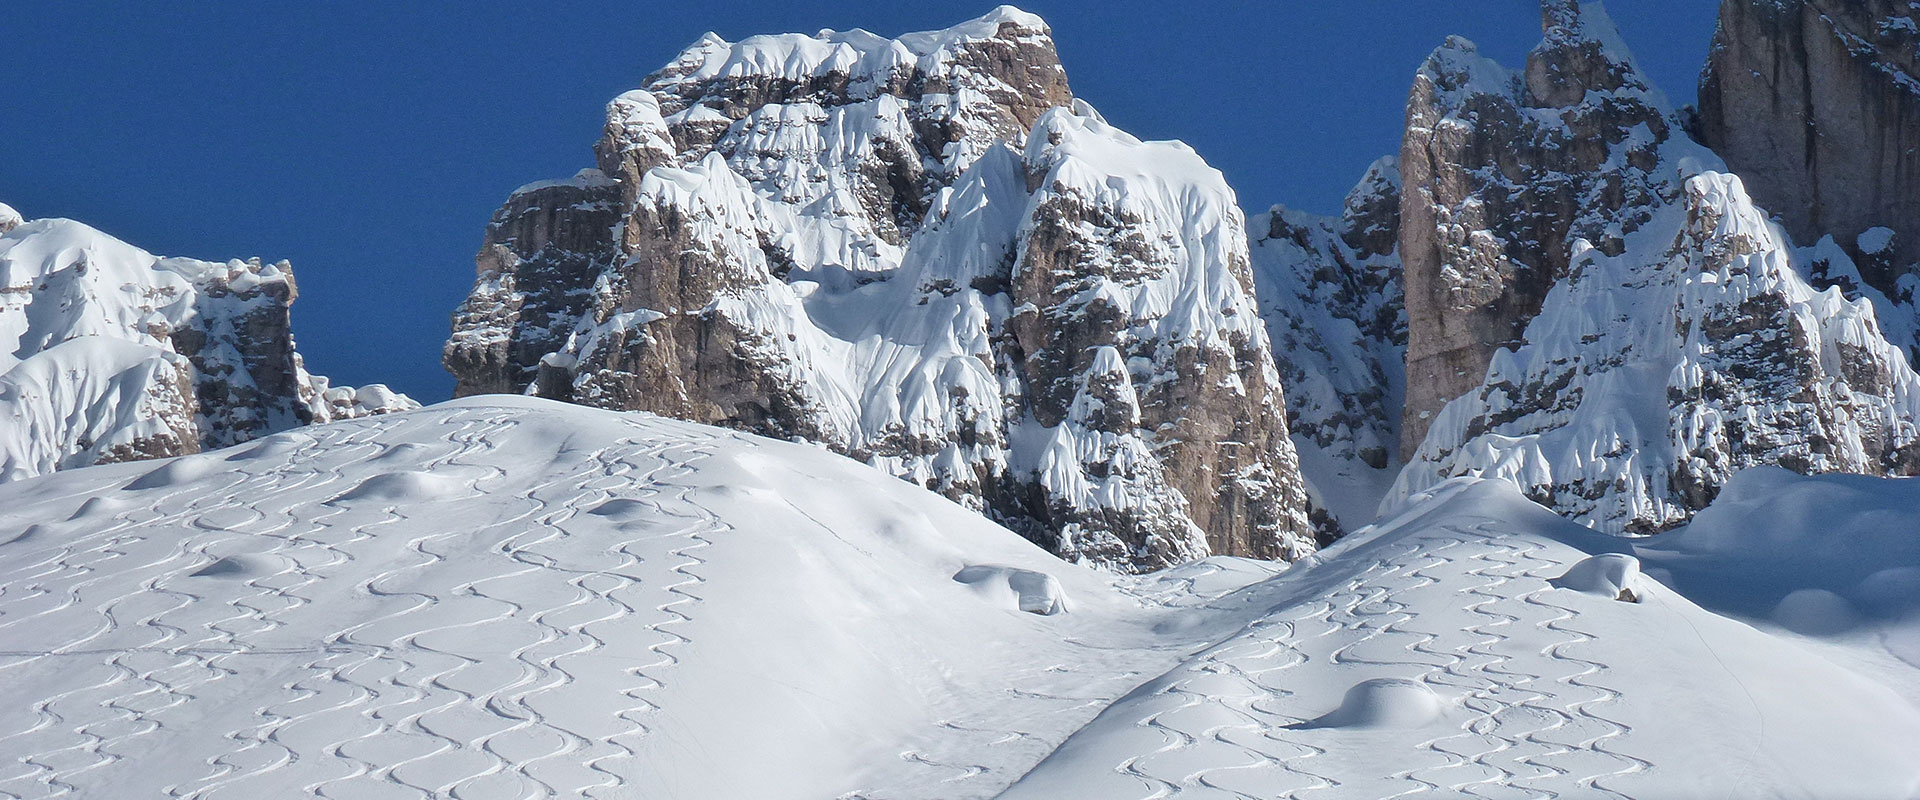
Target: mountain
{"type": "Point", "coordinates": [503, 596]}
{"type": "Point", "coordinates": [108, 353]}
{"type": "Point", "coordinates": [925, 253]}
{"type": "Point", "coordinates": [1589, 305]}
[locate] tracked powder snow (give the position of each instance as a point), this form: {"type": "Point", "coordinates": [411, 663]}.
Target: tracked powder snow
{"type": "Point", "coordinates": [504, 597]}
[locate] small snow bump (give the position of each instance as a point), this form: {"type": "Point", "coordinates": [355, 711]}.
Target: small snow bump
{"type": "Point", "coordinates": [1383, 703]}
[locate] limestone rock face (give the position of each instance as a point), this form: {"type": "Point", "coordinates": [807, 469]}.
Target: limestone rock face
{"type": "Point", "coordinates": [108, 353]}
{"type": "Point", "coordinates": [922, 252]}
{"type": "Point", "coordinates": [1816, 104]}
{"type": "Point", "coordinates": [1502, 171]}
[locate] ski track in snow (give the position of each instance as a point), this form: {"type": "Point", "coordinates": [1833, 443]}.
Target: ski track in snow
{"type": "Point", "coordinates": [288, 616]}
{"type": "Point", "coordinates": [1527, 719]}
{"type": "Point", "coordinates": [419, 705]}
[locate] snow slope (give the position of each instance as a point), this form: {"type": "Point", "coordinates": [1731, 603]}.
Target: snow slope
{"type": "Point", "coordinates": [1437, 654]}
{"type": "Point", "coordinates": [503, 596]}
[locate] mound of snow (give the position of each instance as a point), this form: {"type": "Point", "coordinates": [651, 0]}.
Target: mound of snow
{"type": "Point", "coordinates": [1607, 575]}
{"type": "Point", "coordinates": [527, 598]}
{"type": "Point", "coordinates": [1384, 703]}
{"type": "Point", "coordinates": [1336, 683]}
{"type": "Point", "coordinates": [1815, 612]}
{"type": "Point", "coordinates": [512, 597]}
{"type": "Point", "coordinates": [1026, 590]}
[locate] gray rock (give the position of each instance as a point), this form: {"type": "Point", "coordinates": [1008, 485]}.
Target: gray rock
{"type": "Point", "coordinates": [1816, 105]}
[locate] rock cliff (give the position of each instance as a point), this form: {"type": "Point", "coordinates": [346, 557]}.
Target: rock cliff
{"type": "Point", "coordinates": [1675, 335]}
{"type": "Point", "coordinates": [1502, 171]}
{"type": "Point", "coordinates": [1816, 105]}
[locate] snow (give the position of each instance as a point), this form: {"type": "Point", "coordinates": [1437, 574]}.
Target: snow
{"type": "Point", "coordinates": [1875, 240]}
{"type": "Point", "coordinates": [1338, 332]}
{"type": "Point", "coordinates": [588, 178]}
{"type": "Point", "coordinates": [76, 402]}
{"type": "Point", "coordinates": [863, 56]}
{"type": "Point", "coordinates": [1611, 575]}
{"type": "Point", "coordinates": [1434, 652]}
{"type": "Point", "coordinates": [501, 596]}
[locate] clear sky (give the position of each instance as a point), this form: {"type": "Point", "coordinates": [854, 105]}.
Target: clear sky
{"type": "Point", "coordinates": [369, 142]}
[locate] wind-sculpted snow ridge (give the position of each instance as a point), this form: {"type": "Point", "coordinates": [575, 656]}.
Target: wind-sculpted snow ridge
{"type": "Point", "coordinates": [1462, 650]}
{"type": "Point", "coordinates": [108, 353]}
{"type": "Point", "coordinates": [1329, 291]}
{"type": "Point", "coordinates": [1682, 344]}
{"type": "Point", "coordinates": [922, 252]}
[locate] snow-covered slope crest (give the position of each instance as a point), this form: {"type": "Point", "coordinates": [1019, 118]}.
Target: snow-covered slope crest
{"type": "Point", "coordinates": [504, 596]}
{"type": "Point", "coordinates": [922, 252]}
{"type": "Point", "coordinates": [1480, 646]}
{"type": "Point", "coordinates": [108, 353]}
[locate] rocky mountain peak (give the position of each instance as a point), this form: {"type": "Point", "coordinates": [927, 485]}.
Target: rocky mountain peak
{"type": "Point", "coordinates": [1502, 173]}
{"type": "Point", "coordinates": [1580, 52]}
{"type": "Point", "coordinates": [924, 252]}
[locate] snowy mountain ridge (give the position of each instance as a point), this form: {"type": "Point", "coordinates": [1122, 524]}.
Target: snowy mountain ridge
{"type": "Point", "coordinates": [1594, 310]}
{"type": "Point", "coordinates": [108, 353]}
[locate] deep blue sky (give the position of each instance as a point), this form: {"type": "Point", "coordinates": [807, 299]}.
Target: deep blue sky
{"type": "Point", "coordinates": [369, 142]}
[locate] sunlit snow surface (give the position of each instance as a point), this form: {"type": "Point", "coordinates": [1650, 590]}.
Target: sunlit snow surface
{"type": "Point", "coordinates": [504, 597]}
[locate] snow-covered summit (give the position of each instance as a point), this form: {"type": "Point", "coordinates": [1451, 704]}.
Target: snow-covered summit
{"type": "Point", "coordinates": [914, 251]}
{"type": "Point", "coordinates": [108, 353]}
{"type": "Point", "coordinates": [865, 59]}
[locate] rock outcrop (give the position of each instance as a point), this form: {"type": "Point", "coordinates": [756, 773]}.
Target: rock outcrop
{"type": "Point", "coordinates": [1675, 334]}
{"type": "Point", "coordinates": [1816, 105]}
{"type": "Point", "coordinates": [924, 253]}
{"type": "Point", "coordinates": [108, 353]}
